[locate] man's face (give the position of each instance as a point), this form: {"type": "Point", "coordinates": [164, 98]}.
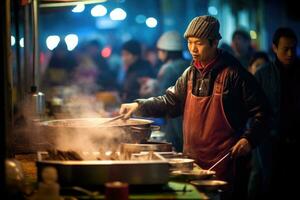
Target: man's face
{"type": "Point", "coordinates": [286, 50]}
{"type": "Point", "coordinates": [201, 49]}
{"type": "Point", "coordinates": [240, 45]}
{"type": "Point", "coordinates": [128, 58]}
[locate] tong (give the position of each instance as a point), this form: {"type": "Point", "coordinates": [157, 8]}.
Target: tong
{"type": "Point", "coordinates": [220, 160]}
{"type": "Point", "coordinates": [112, 119]}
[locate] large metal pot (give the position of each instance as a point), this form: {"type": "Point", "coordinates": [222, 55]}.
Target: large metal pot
{"type": "Point", "coordinates": [120, 131]}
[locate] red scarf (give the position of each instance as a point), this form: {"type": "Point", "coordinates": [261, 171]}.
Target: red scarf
{"type": "Point", "coordinates": [205, 68]}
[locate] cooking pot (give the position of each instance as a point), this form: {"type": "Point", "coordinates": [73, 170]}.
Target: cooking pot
{"type": "Point", "coordinates": [120, 131]}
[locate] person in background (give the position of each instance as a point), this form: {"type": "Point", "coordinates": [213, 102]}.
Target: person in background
{"type": "Point", "coordinates": [241, 46]}
{"type": "Point", "coordinates": [136, 68]}
{"type": "Point", "coordinates": [224, 109]}
{"type": "Point", "coordinates": [151, 56]}
{"type": "Point", "coordinates": [280, 81]}
{"type": "Point", "coordinates": [106, 79]}
{"type": "Point", "coordinates": [257, 176]}
{"type": "Point", "coordinates": [59, 70]}
{"type": "Point", "coordinates": [226, 47]}
{"type": "Point", "coordinates": [169, 50]}
{"type": "Point", "coordinates": [258, 60]}
{"type": "Point", "coordinates": [85, 74]}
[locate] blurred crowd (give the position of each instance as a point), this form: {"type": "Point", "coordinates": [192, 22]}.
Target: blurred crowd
{"type": "Point", "coordinates": [136, 70]}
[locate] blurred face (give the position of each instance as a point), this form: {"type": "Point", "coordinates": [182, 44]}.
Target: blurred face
{"type": "Point", "coordinates": [128, 58]}
{"type": "Point", "coordinates": [162, 55]}
{"type": "Point", "coordinates": [240, 46]}
{"type": "Point", "coordinates": [256, 65]}
{"type": "Point", "coordinates": [201, 50]}
{"type": "Point", "coordinates": [286, 50]}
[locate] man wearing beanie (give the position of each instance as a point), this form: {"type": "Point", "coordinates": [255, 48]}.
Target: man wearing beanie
{"type": "Point", "coordinates": [224, 109]}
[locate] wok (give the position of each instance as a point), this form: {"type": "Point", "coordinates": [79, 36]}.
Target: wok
{"type": "Point", "coordinates": [119, 131]}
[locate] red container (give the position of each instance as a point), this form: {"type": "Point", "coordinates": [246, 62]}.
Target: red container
{"type": "Point", "coordinates": [116, 191]}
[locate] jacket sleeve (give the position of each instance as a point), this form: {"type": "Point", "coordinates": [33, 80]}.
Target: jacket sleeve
{"type": "Point", "coordinates": [256, 106]}
{"type": "Point", "coordinates": [170, 104]}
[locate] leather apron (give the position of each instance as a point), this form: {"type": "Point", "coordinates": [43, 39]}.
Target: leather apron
{"type": "Point", "coordinates": [207, 134]}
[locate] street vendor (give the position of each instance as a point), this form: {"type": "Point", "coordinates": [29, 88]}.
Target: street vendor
{"type": "Point", "coordinates": [223, 107]}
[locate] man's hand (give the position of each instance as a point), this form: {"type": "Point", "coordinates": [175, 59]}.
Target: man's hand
{"type": "Point", "coordinates": [128, 109]}
{"type": "Point", "coordinates": [241, 148]}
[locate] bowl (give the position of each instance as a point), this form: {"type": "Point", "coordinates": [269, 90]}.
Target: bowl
{"type": "Point", "coordinates": [191, 175]}
{"type": "Point", "coordinates": [209, 185]}
{"type": "Point", "coordinates": [182, 164]}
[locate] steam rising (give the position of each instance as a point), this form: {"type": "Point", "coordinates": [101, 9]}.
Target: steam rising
{"type": "Point", "coordinates": [94, 139]}
{"type": "Point", "coordinates": [91, 138]}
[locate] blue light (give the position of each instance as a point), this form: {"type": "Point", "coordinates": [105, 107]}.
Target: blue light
{"type": "Point", "coordinates": [212, 10]}
{"type": "Point", "coordinates": [118, 14]}
{"type": "Point", "coordinates": [140, 19]}
{"type": "Point", "coordinates": [52, 41]}
{"type": "Point", "coordinates": [106, 23]}
{"type": "Point", "coordinates": [71, 41]}
{"type": "Point", "coordinates": [79, 8]}
{"type": "Point", "coordinates": [98, 11]}
{"type": "Point", "coordinates": [151, 22]}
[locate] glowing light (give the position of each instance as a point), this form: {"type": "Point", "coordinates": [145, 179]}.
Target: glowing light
{"type": "Point", "coordinates": [79, 8]}
{"type": "Point", "coordinates": [98, 11]}
{"type": "Point", "coordinates": [151, 22]}
{"type": "Point", "coordinates": [212, 10]}
{"type": "Point", "coordinates": [22, 42]}
{"type": "Point", "coordinates": [253, 35]}
{"type": "Point", "coordinates": [118, 14]}
{"type": "Point", "coordinates": [71, 41]}
{"type": "Point", "coordinates": [106, 52]}
{"type": "Point", "coordinates": [12, 40]}
{"type": "Point", "coordinates": [52, 41]}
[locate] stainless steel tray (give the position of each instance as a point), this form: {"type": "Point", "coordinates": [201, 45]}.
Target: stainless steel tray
{"type": "Point", "coordinates": [96, 173]}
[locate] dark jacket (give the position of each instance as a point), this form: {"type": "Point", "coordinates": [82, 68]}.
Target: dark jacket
{"type": "Point", "coordinates": [282, 88]}
{"type": "Point", "coordinates": [131, 85]}
{"type": "Point", "coordinates": [243, 100]}
{"type": "Point", "coordinates": [167, 77]}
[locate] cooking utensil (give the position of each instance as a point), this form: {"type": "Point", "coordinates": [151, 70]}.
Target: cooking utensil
{"type": "Point", "coordinates": [112, 119]}
{"type": "Point", "coordinates": [130, 131]}
{"type": "Point", "coordinates": [209, 185]}
{"type": "Point", "coordinates": [191, 175]}
{"type": "Point", "coordinates": [220, 160]}
{"type": "Point", "coordinates": [182, 164]}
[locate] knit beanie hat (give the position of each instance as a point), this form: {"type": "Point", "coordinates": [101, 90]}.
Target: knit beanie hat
{"type": "Point", "coordinates": [132, 46]}
{"type": "Point", "coordinates": [170, 41]}
{"type": "Point", "coordinates": [206, 27]}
